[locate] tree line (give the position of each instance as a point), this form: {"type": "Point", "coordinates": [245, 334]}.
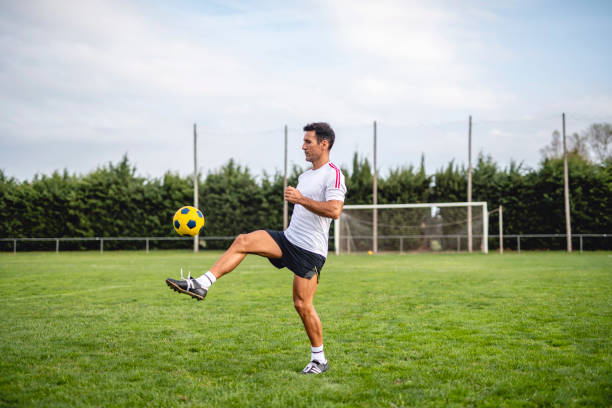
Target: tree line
{"type": "Point", "coordinates": [114, 201]}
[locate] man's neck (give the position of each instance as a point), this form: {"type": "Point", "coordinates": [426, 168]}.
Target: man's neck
{"type": "Point", "coordinates": [321, 162]}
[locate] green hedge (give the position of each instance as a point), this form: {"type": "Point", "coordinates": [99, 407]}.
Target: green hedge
{"type": "Point", "coordinates": [114, 201]}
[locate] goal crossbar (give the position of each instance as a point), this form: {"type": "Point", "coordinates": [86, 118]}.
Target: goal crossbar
{"type": "Point", "coordinates": [482, 204]}
{"type": "Point", "coordinates": [420, 205]}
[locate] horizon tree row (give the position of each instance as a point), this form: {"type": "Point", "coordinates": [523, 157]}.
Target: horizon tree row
{"type": "Point", "coordinates": [113, 201]}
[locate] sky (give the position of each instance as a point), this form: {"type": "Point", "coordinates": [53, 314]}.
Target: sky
{"type": "Point", "coordinates": [82, 83]}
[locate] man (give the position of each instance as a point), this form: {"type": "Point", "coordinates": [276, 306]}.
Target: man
{"type": "Point", "coordinates": [302, 248]}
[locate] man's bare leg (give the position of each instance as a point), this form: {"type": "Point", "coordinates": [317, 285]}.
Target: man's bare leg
{"type": "Point", "coordinates": [303, 295]}
{"type": "Point", "coordinates": [257, 242]}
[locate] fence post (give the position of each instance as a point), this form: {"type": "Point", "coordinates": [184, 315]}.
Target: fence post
{"type": "Point", "coordinates": [401, 245]}
{"type": "Point", "coordinates": [147, 241]}
{"type": "Point", "coordinates": [518, 243]}
{"type": "Point", "coordinates": [581, 243]}
{"type": "Point", "coordinates": [101, 245]}
{"type": "Point", "coordinates": [15, 246]}
{"type": "Point", "coordinates": [458, 243]}
{"type": "Point", "coordinates": [57, 246]}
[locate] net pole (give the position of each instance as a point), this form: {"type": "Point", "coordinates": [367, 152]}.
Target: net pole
{"type": "Point", "coordinates": [337, 236]}
{"type": "Point", "coordinates": [568, 225]}
{"type": "Point", "coordinates": [469, 187]}
{"type": "Point", "coordinates": [195, 181]}
{"type": "Point", "coordinates": [501, 230]}
{"type": "Point", "coordinates": [375, 202]}
{"type": "Point", "coordinates": [485, 229]}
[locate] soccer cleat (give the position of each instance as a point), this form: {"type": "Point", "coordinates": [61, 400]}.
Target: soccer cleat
{"type": "Point", "coordinates": [187, 286]}
{"type": "Point", "coordinates": [314, 367]}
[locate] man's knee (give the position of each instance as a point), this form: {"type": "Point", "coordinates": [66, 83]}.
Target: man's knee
{"type": "Point", "coordinates": [241, 242]}
{"type": "Point", "coordinates": [301, 306]}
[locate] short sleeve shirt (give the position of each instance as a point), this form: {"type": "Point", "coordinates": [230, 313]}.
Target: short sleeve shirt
{"type": "Point", "coordinates": [308, 230]}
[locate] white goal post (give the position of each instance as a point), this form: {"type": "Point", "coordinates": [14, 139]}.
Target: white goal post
{"type": "Point", "coordinates": [423, 224]}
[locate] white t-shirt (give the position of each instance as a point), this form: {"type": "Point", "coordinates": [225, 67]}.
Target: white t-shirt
{"type": "Point", "coordinates": [308, 230]}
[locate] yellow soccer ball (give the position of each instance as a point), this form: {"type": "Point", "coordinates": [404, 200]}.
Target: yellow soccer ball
{"type": "Point", "coordinates": [188, 221]}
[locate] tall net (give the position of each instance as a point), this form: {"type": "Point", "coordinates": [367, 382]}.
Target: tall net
{"type": "Point", "coordinates": [431, 227]}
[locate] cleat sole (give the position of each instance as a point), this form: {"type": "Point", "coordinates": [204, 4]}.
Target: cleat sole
{"type": "Point", "coordinates": [179, 290]}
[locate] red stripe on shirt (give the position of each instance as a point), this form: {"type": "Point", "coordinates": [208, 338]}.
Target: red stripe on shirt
{"type": "Point", "coordinates": [334, 167]}
{"type": "Point", "coordinates": [337, 184]}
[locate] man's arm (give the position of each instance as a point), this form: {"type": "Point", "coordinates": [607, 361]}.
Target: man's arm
{"type": "Point", "coordinates": [329, 209]}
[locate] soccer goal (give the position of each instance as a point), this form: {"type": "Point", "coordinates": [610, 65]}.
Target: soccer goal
{"type": "Point", "coordinates": [402, 228]}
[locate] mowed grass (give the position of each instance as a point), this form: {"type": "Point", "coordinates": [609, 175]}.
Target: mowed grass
{"type": "Point", "coordinates": [84, 329]}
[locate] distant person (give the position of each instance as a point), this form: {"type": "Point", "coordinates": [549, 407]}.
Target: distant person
{"type": "Point", "coordinates": [302, 248]}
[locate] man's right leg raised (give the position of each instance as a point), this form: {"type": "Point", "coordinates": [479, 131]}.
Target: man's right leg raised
{"type": "Point", "coordinates": [257, 242]}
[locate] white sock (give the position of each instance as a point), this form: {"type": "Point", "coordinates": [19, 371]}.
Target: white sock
{"type": "Point", "coordinates": [318, 354]}
{"type": "Point", "coordinates": [206, 280]}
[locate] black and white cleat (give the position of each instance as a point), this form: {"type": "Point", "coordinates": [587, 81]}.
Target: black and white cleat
{"type": "Point", "coordinates": [188, 286]}
{"type": "Point", "coordinates": [314, 367]}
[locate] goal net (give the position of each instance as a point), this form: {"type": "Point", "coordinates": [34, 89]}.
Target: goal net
{"type": "Point", "coordinates": [401, 228]}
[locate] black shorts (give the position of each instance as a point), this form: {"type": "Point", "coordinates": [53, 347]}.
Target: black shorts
{"type": "Point", "coordinates": [301, 262]}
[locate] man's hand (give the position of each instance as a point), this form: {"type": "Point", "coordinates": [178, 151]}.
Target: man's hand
{"type": "Point", "coordinates": [293, 195]}
{"type": "Point", "coordinates": [329, 209]}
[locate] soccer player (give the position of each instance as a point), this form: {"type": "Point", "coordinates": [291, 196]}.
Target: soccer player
{"type": "Point", "coordinates": [302, 248]}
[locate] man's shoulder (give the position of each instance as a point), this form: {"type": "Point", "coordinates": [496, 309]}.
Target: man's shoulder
{"type": "Point", "coordinates": [329, 170]}
{"type": "Point", "coordinates": [334, 170]}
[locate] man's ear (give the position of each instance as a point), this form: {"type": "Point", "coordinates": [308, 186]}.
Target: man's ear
{"type": "Point", "coordinates": [325, 143]}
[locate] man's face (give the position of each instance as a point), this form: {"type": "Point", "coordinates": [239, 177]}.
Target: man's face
{"type": "Point", "coordinates": [312, 148]}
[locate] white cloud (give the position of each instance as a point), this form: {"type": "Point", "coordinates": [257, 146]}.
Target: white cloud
{"type": "Point", "coordinates": [415, 55]}
{"type": "Point", "coordinates": [394, 30]}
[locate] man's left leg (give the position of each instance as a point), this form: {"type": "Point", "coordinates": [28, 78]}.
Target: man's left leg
{"type": "Point", "coordinates": [303, 295]}
{"type": "Point", "coordinates": [257, 242]}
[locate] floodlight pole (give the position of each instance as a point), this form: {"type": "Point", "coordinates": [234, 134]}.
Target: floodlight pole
{"type": "Point", "coordinates": [568, 225]}
{"type": "Point", "coordinates": [469, 187]}
{"type": "Point", "coordinates": [375, 201]}
{"type": "Point", "coordinates": [195, 181]}
{"type": "Point", "coordinates": [285, 205]}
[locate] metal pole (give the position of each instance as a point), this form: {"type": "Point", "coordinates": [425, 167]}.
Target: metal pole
{"type": "Point", "coordinates": [501, 230]}
{"type": "Point", "coordinates": [458, 243]}
{"type": "Point", "coordinates": [518, 244]}
{"type": "Point", "coordinates": [57, 246]}
{"type": "Point", "coordinates": [469, 187]}
{"type": "Point", "coordinates": [568, 226]}
{"type": "Point", "coordinates": [101, 245]}
{"type": "Point", "coordinates": [485, 229]}
{"type": "Point", "coordinates": [147, 244]}
{"type": "Point", "coordinates": [15, 246]}
{"type": "Point", "coordinates": [337, 236]}
{"type": "Point", "coordinates": [401, 245]}
{"type": "Point", "coordinates": [285, 204]}
{"type": "Point", "coordinates": [580, 243]}
{"type": "Point", "coordinates": [196, 239]}
{"type": "Point", "coordinates": [375, 201]}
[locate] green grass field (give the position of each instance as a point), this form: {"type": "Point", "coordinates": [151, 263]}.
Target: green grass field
{"type": "Point", "coordinates": [84, 329]}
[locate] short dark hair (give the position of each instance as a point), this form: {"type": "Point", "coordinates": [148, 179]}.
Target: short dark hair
{"type": "Point", "coordinates": [323, 131]}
